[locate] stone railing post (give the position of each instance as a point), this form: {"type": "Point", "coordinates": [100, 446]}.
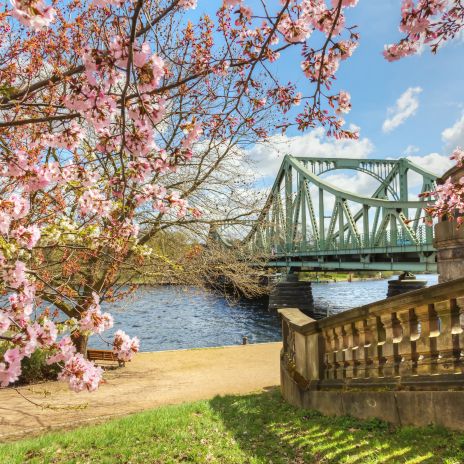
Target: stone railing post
{"type": "Point", "coordinates": [449, 240]}
{"type": "Point", "coordinates": [339, 353]}
{"type": "Point", "coordinates": [362, 356]}
{"type": "Point", "coordinates": [350, 347]}
{"type": "Point", "coordinates": [303, 345]}
{"type": "Point", "coordinates": [388, 351]}
{"type": "Point", "coordinates": [426, 343]}
{"type": "Point", "coordinates": [445, 339]}
{"type": "Point", "coordinates": [374, 349]}
{"type": "Point", "coordinates": [406, 342]}
{"type": "Point", "coordinates": [329, 354]}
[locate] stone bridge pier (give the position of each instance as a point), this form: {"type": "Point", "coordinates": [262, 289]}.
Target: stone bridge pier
{"type": "Point", "coordinates": [289, 292]}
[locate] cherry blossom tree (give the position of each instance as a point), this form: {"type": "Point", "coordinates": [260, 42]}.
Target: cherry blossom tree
{"type": "Point", "coordinates": [99, 102]}
{"type": "Point", "coordinates": [103, 104]}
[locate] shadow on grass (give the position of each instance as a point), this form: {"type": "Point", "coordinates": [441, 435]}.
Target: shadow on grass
{"type": "Point", "coordinates": [269, 430]}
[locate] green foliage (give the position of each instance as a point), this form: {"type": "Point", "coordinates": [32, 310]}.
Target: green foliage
{"type": "Point", "coordinates": [35, 369]}
{"type": "Point", "coordinates": [254, 429]}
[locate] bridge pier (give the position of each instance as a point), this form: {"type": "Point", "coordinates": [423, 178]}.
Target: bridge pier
{"type": "Point", "coordinates": [291, 293]}
{"type": "Point", "coordinates": [406, 282]}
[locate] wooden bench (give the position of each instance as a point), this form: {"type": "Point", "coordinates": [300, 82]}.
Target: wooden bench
{"type": "Point", "coordinates": [103, 355]}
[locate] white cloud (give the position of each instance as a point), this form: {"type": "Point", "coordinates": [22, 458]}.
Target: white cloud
{"type": "Point", "coordinates": [433, 162]}
{"type": "Point", "coordinates": [410, 150]}
{"type": "Point", "coordinates": [454, 136]}
{"type": "Point", "coordinates": [355, 182]}
{"type": "Point", "coordinates": [405, 107]}
{"type": "Point", "coordinates": [267, 157]}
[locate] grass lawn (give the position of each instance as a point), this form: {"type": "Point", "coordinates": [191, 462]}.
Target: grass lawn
{"type": "Point", "coordinates": [259, 428]}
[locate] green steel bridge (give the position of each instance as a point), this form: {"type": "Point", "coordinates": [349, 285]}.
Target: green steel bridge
{"type": "Point", "coordinates": [309, 223]}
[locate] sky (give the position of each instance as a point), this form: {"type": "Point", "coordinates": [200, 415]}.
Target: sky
{"type": "Point", "coordinates": [413, 107]}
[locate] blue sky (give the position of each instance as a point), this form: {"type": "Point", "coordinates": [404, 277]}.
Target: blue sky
{"type": "Point", "coordinates": [376, 84]}
{"type": "Point", "coordinates": [435, 103]}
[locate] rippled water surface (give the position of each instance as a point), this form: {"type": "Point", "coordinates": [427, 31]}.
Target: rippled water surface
{"type": "Point", "coordinates": [171, 318]}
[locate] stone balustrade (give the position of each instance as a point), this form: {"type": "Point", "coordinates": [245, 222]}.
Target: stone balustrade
{"type": "Point", "coordinates": [413, 341]}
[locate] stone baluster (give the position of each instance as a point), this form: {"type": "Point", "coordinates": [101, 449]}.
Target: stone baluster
{"type": "Point", "coordinates": [362, 354]}
{"type": "Point", "coordinates": [426, 343]}
{"type": "Point", "coordinates": [374, 351]}
{"type": "Point", "coordinates": [406, 344]}
{"type": "Point", "coordinates": [397, 330]}
{"type": "Point", "coordinates": [388, 349]}
{"type": "Point", "coordinates": [456, 334]}
{"type": "Point", "coordinates": [445, 339]}
{"type": "Point", "coordinates": [339, 353]}
{"type": "Point", "coordinates": [329, 354]}
{"type": "Point", "coordinates": [352, 352]}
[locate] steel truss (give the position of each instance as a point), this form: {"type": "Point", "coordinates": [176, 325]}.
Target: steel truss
{"type": "Point", "coordinates": [308, 222]}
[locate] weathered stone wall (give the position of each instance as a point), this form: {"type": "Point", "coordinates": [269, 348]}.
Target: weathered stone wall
{"type": "Point", "coordinates": [418, 408]}
{"type": "Point", "coordinates": [449, 241]}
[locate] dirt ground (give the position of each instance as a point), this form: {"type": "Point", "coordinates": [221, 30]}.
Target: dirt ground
{"type": "Point", "coordinates": [150, 380]}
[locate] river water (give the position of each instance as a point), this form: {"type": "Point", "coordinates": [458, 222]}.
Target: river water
{"type": "Point", "coordinates": [171, 318]}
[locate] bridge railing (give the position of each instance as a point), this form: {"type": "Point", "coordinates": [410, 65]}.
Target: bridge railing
{"type": "Point", "coordinates": [414, 340]}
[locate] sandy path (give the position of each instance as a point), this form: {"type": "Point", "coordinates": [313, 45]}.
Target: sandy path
{"type": "Point", "coordinates": [150, 380]}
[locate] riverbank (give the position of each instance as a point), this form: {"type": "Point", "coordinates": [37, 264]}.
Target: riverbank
{"type": "Point", "coordinates": [149, 381]}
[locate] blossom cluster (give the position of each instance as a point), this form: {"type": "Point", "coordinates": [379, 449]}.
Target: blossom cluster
{"type": "Point", "coordinates": [449, 196]}
{"type": "Point", "coordinates": [124, 346]}
{"type": "Point", "coordinates": [426, 23]}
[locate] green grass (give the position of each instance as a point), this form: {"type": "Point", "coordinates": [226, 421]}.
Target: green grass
{"type": "Point", "coordinates": [259, 428]}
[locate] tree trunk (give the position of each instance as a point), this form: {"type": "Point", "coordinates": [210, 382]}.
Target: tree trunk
{"type": "Point", "coordinates": [80, 342]}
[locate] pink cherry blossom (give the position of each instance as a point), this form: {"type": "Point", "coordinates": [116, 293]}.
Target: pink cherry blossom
{"type": "Point", "coordinates": [93, 202]}
{"type": "Point", "coordinates": [5, 322]}
{"type": "Point", "coordinates": [231, 3]}
{"type": "Point", "coordinates": [124, 346]}
{"type": "Point", "coordinates": [81, 374]}
{"type": "Point", "coordinates": [5, 221]}
{"type": "Point", "coordinates": [16, 276]}
{"type": "Point", "coordinates": [458, 156]}
{"type": "Point", "coordinates": [68, 138]}
{"type": "Point", "coordinates": [22, 302]}
{"type": "Point", "coordinates": [397, 51]}
{"type": "Point", "coordinates": [344, 105]}
{"type": "Point", "coordinates": [93, 319]}
{"type": "Point", "coordinates": [27, 236]}
{"type": "Point", "coordinates": [10, 373]}
{"type": "Point", "coordinates": [65, 350]}
{"type": "Point", "coordinates": [188, 4]}
{"type": "Point", "coordinates": [33, 13]}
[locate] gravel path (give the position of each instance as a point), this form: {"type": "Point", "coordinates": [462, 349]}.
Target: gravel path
{"type": "Point", "coordinates": [150, 380]}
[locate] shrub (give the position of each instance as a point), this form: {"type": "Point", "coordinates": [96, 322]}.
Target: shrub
{"type": "Point", "coordinates": [35, 369]}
